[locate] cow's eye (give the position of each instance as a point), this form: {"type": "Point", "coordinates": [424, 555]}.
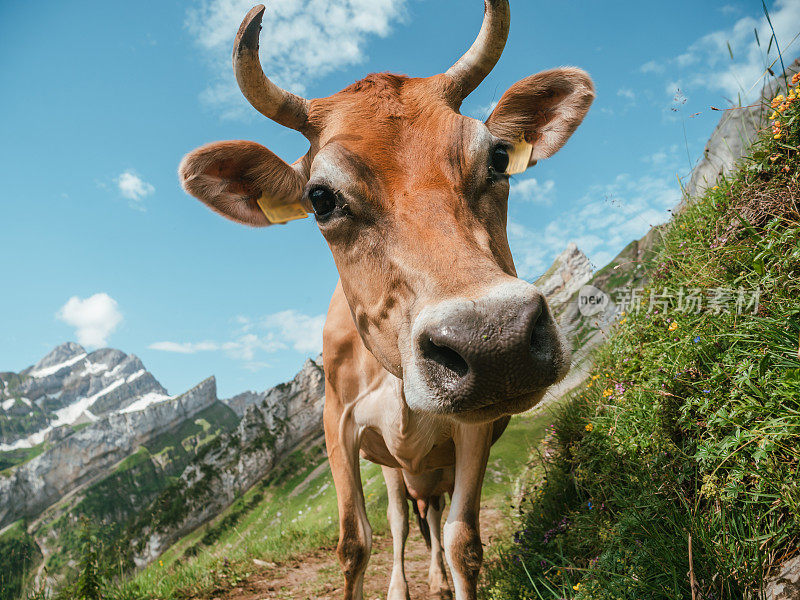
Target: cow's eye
{"type": "Point", "coordinates": [323, 200]}
{"type": "Point", "coordinates": [499, 160]}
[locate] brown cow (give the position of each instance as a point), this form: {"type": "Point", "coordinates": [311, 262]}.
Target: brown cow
{"type": "Point", "coordinates": [431, 341]}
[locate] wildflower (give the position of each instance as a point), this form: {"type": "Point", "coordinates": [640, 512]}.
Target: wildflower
{"type": "Point", "coordinates": [795, 78]}
{"type": "Point", "coordinates": [773, 116]}
{"type": "Point", "coordinates": [595, 377]}
{"type": "Point", "coordinates": [589, 427]}
{"type": "Point", "coordinates": [607, 392]}
{"type": "Point", "coordinates": [716, 187]}
{"type": "Point", "coordinates": [576, 587]}
{"type": "Point", "coordinates": [673, 326]}
{"type": "Point", "coordinates": [590, 505]}
{"type": "Point", "coordinates": [706, 391]}
{"type": "Point", "coordinates": [161, 563]}
{"type": "Point", "coordinates": [696, 340]}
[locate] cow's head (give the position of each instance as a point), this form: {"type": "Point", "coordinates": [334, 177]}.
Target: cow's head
{"type": "Point", "coordinates": [412, 198]}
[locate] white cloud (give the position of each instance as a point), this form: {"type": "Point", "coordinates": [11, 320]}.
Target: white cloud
{"type": "Point", "coordinates": [531, 190]}
{"type": "Point", "coordinates": [95, 318]}
{"type": "Point", "coordinates": [256, 337]}
{"type": "Point", "coordinates": [301, 40]}
{"type": "Point", "coordinates": [627, 93]}
{"type": "Point", "coordinates": [482, 112]}
{"type": "Point", "coordinates": [184, 347]}
{"type": "Point", "coordinates": [608, 218]}
{"type": "Point", "coordinates": [246, 346]}
{"type": "Point", "coordinates": [134, 188]}
{"type": "Point", "coordinates": [302, 332]}
{"type": "Point", "coordinates": [708, 61]}
{"type": "Point", "coordinates": [652, 66]}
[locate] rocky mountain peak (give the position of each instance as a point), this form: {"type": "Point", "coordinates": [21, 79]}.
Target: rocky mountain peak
{"type": "Point", "coordinates": [70, 387]}
{"type": "Point", "coordinates": [59, 355]}
{"type": "Point", "coordinates": [569, 272]}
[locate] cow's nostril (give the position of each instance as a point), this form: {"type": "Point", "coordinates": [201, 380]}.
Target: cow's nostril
{"type": "Point", "coordinates": [538, 338]}
{"type": "Point", "coordinates": [445, 356]}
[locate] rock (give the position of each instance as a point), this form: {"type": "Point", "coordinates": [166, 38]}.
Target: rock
{"type": "Point", "coordinates": [569, 272]}
{"type": "Point", "coordinates": [78, 458]}
{"type": "Point", "coordinates": [69, 386]}
{"type": "Point", "coordinates": [733, 135]}
{"type": "Point", "coordinates": [786, 584]}
{"type": "Point", "coordinates": [286, 417]}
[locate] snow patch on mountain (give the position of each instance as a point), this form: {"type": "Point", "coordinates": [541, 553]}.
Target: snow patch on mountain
{"type": "Point", "coordinates": [145, 401]}
{"type": "Point", "coordinates": [52, 370]}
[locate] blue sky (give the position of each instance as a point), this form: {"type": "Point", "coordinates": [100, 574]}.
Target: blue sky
{"type": "Point", "coordinates": [101, 100]}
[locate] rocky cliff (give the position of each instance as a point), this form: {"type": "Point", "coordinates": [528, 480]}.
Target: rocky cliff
{"type": "Point", "coordinates": [142, 467]}
{"type": "Point", "coordinates": [569, 272]}
{"type": "Point", "coordinates": [83, 455]}
{"type": "Point", "coordinates": [273, 425]}
{"type": "Point", "coordinates": [733, 135]}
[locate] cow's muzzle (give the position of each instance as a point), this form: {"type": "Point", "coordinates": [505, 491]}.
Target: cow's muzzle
{"type": "Point", "coordinates": [469, 354]}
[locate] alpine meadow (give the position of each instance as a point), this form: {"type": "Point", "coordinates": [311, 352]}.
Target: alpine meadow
{"type": "Point", "coordinates": [393, 300]}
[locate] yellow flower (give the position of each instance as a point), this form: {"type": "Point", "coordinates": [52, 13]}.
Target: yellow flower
{"type": "Point", "coordinates": [673, 326]}
{"type": "Point", "coordinates": [607, 392]}
{"type": "Point", "coordinates": [773, 116]}
{"type": "Point", "coordinates": [622, 322]}
{"type": "Point", "coordinates": [576, 587]}
{"type": "Point", "coordinates": [589, 427]}
{"type": "Point", "coordinates": [595, 377]}
{"type": "Point", "coordinates": [161, 563]}
{"type": "Point", "coordinates": [716, 187]}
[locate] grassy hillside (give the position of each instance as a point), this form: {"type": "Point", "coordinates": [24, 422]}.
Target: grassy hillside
{"type": "Point", "coordinates": [20, 555]}
{"type": "Point", "coordinates": [107, 505]}
{"type": "Point", "coordinates": [291, 512]}
{"type": "Point", "coordinates": [672, 472]}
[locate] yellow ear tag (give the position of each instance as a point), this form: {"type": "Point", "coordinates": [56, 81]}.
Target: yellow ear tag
{"type": "Point", "coordinates": [280, 212]}
{"type": "Point", "coordinates": [519, 158]}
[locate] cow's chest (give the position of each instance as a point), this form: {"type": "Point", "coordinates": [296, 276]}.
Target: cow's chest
{"type": "Point", "coordinates": [394, 436]}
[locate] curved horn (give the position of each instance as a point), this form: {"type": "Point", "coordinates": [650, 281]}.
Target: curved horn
{"type": "Point", "coordinates": [482, 56]}
{"type": "Point", "coordinates": [267, 98]}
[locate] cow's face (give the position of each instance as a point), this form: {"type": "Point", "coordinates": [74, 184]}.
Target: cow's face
{"type": "Point", "coordinates": [411, 197]}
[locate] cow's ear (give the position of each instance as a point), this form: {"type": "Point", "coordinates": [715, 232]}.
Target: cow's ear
{"type": "Point", "coordinates": [539, 113]}
{"type": "Point", "coordinates": [243, 181]}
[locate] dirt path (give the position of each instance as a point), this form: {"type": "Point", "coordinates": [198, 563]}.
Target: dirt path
{"type": "Point", "coordinates": [316, 575]}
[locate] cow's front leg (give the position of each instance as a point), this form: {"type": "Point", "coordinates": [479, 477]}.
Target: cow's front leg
{"type": "Point", "coordinates": [437, 575]}
{"type": "Point", "coordinates": [342, 438]}
{"type": "Point", "coordinates": [397, 513]}
{"type": "Point", "coordinates": [462, 540]}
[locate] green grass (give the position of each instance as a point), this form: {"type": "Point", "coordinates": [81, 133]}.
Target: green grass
{"type": "Point", "coordinates": [274, 521]}
{"type": "Point", "coordinates": [182, 442]}
{"type": "Point", "coordinates": [14, 458]}
{"type": "Point", "coordinates": [686, 438]}
{"type": "Point", "coordinates": [19, 554]}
